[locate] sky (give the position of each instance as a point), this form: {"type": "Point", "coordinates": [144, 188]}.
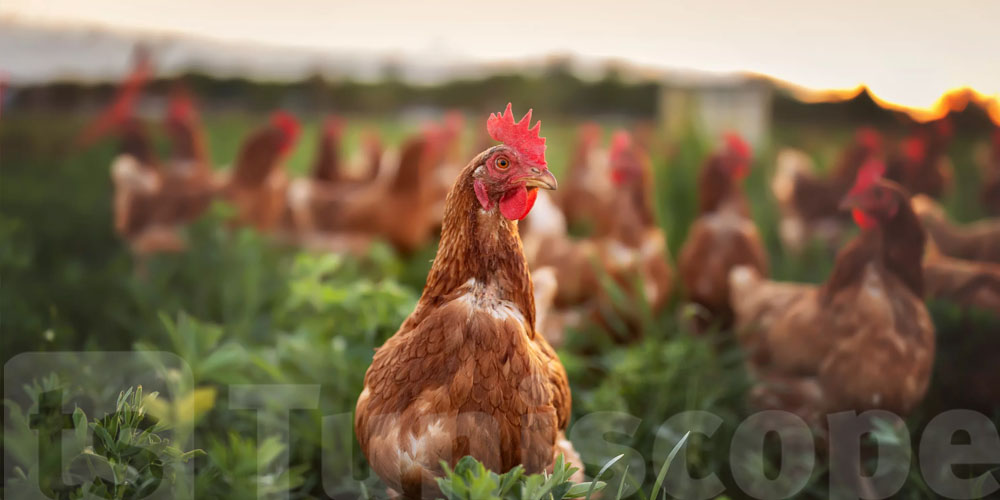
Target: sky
{"type": "Point", "coordinates": [907, 52]}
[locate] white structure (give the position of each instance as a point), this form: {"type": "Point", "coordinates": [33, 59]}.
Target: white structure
{"type": "Point", "coordinates": [716, 104]}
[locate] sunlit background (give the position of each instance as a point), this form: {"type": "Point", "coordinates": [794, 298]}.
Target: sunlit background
{"type": "Point", "coordinates": [908, 54]}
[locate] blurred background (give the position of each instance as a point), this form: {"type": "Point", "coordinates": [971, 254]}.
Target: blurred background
{"type": "Point", "coordinates": [252, 285]}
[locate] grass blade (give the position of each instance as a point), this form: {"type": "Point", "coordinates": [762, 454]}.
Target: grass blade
{"type": "Point", "coordinates": [601, 472]}
{"type": "Point", "coordinates": [666, 465]}
{"type": "Point", "coordinates": [621, 485]}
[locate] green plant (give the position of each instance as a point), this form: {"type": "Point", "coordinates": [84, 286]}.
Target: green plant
{"type": "Point", "coordinates": [471, 480]}
{"type": "Point", "coordinates": [123, 455]}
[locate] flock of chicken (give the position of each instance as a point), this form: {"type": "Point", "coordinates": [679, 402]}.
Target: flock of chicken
{"type": "Point", "coordinates": [861, 340]}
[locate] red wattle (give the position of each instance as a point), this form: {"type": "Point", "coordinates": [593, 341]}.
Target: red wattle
{"type": "Point", "coordinates": [862, 220]}
{"type": "Point", "coordinates": [516, 203]}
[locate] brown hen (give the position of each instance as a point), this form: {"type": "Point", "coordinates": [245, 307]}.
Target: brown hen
{"type": "Point", "coordinates": [862, 340]}
{"type": "Point", "coordinates": [257, 183]}
{"type": "Point", "coordinates": [808, 201]}
{"type": "Point", "coordinates": [723, 236]}
{"type": "Point", "coordinates": [467, 373]}
{"type": "Point", "coordinates": [978, 241]}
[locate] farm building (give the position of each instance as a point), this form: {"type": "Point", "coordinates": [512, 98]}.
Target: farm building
{"type": "Point", "coordinates": [716, 104]}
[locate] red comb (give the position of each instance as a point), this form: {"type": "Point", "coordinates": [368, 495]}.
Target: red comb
{"type": "Point", "coordinates": [518, 136]}
{"type": "Point", "coordinates": [869, 173]}
{"type": "Point", "coordinates": [736, 145]}
{"type": "Point", "coordinates": [288, 126]}
{"type": "Point", "coordinates": [621, 141]}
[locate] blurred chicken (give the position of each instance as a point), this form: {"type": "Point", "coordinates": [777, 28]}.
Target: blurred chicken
{"type": "Point", "coordinates": [398, 207]}
{"type": "Point", "coordinates": [921, 163]}
{"type": "Point", "coordinates": [188, 177]}
{"type": "Point", "coordinates": [576, 264]}
{"type": "Point", "coordinates": [140, 217]}
{"type": "Point", "coordinates": [257, 183]}
{"type": "Point", "coordinates": [723, 236]}
{"type": "Point", "coordinates": [862, 340]}
{"type": "Point", "coordinates": [808, 201]}
{"type": "Point", "coordinates": [549, 322]}
{"type": "Point", "coordinates": [329, 179]}
{"type": "Point", "coordinates": [153, 199]}
{"type": "Point", "coordinates": [963, 282]}
{"type": "Point", "coordinates": [978, 241]}
{"type": "Point", "coordinates": [443, 161]}
{"type": "Point", "coordinates": [328, 164]}
{"type": "Point", "coordinates": [634, 252]}
{"type": "Point", "coordinates": [585, 195]}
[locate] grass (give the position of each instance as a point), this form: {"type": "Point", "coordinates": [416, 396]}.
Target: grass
{"type": "Point", "coordinates": [239, 309]}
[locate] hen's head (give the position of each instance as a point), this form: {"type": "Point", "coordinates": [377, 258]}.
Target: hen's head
{"type": "Point", "coordinates": [736, 155]}
{"type": "Point", "coordinates": [872, 200]}
{"type": "Point", "coordinates": [625, 166]}
{"type": "Point", "coordinates": [288, 127]}
{"type": "Point", "coordinates": [511, 173]}
{"type": "Point", "coordinates": [180, 108]}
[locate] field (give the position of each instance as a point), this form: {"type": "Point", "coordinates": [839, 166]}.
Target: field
{"type": "Point", "coordinates": [242, 314]}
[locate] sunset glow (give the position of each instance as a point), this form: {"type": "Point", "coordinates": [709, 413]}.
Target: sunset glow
{"type": "Point", "coordinates": [909, 55]}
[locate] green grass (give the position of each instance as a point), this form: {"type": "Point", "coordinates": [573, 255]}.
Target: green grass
{"type": "Point", "coordinates": [240, 309]}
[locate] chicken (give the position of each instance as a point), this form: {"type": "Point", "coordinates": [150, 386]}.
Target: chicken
{"type": "Point", "coordinates": [576, 264]}
{"type": "Point", "coordinates": [549, 322]}
{"type": "Point", "coordinates": [978, 241]}
{"type": "Point", "coordinates": [862, 340]}
{"type": "Point", "coordinates": [635, 248]}
{"type": "Point", "coordinates": [152, 198]}
{"type": "Point", "coordinates": [444, 161]}
{"type": "Point", "coordinates": [723, 236]}
{"type": "Point", "coordinates": [585, 197]}
{"type": "Point", "coordinates": [808, 202]}
{"type": "Point", "coordinates": [397, 207]}
{"type": "Point", "coordinates": [633, 254]}
{"type": "Point", "coordinates": [467, 372]}
{"type": "Point", "coordinates": [963, 282]}
{"type": "Point", "coordinates": [138, 183]}
{"type": "Point", "coordinates": [327, 166]}
{"type": "Point", "coordinates": [188, 178]}
{"type": "Point", "coordinates": [921, 163]}
{"type": "Point", "coordinates": [327, 179]}
{"type": "Point", "coordinates": [972, 280]}
{"type": "Point", "coordinates": [257, 183]}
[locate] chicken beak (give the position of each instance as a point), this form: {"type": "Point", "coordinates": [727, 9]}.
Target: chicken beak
{"type": "Point", "coordinates": [541, 178]}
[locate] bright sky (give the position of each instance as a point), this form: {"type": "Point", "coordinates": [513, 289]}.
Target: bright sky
{"type": "Point", "coordinates": [908, 52]}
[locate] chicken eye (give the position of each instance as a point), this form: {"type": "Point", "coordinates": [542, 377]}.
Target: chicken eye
{"type": "Point", "coordinates": [502, 163]}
